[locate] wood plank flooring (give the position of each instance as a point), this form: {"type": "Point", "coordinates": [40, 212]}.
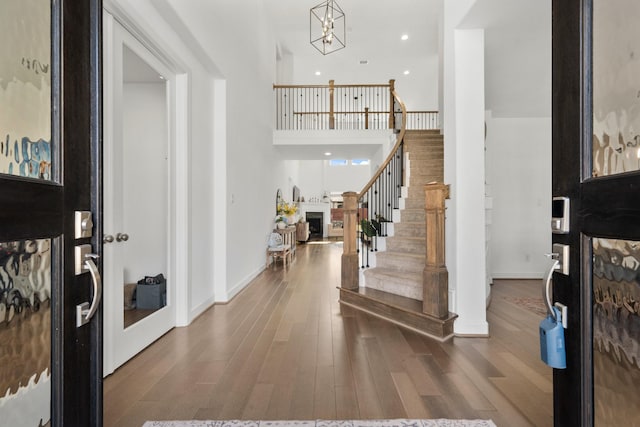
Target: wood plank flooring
{"type": "Point", "coordinates": [286, 349]}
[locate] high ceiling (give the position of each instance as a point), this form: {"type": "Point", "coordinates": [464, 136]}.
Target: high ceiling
{"type": "Point", "coordinates": [517, 43]}
{"type": "Point", "coordinates": [517, 48]}
{"type": "Point", "coordinates": [373, 33]}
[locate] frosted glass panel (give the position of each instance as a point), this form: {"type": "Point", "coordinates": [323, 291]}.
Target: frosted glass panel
{"type": "Point", "coordinates": [616, 332]}
{"type": "Point", "coordinates": [25, 333]}
{"type": "Point", "coordinates": [616, 87]}
{"type": "Point", "coordinates": [25, 88]}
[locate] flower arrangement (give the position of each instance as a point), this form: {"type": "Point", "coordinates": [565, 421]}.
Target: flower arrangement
{"type": "Point", "coordinates": [287, 209]}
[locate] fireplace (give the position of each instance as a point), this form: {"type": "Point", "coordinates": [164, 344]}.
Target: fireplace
{"type": "Point", "coordinates": [316, 221]}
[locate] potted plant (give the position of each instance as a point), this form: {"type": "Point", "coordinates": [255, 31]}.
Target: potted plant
{"type": "Point", "coordinates": [371, 228]}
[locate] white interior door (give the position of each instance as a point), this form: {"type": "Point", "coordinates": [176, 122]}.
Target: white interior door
{"type": "Point", "coordinates": [138, 201]}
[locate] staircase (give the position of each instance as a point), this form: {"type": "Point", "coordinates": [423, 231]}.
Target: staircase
{"type": "Point", "coordinates": [393, 287]}
{"type": "Point", "coordinates": [399, 269]}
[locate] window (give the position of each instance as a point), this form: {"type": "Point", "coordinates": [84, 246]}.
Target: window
{"type": "Point", "coordinates": [338, 162]}
{"type": "Point", "coordinates": [360, 162]}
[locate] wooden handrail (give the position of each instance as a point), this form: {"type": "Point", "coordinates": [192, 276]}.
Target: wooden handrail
{"type": "Point", "coordinates": [327, 86]}
{"type": "Point", "coordinates": [392, 153]}
{"type": "Point", "coordinates": [305, 113]}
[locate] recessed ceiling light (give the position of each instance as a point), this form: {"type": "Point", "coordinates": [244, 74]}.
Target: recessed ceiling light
{"type": "Point", "coordinates": [318, 73]}
{"type": "Point", "coordinates": [161, 77]}
{"type": "Point", "coordinates": [327, 153]}
{"type": "Point", "coordinates": [405, 37]}
{"type": "Point", "coordinates": [406, 72]}
{"type": "Point", "coordinates": [364, 61]}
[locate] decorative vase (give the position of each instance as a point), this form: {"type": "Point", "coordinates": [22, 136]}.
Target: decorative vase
{"type": "Point", "coordinates": [280, 225]}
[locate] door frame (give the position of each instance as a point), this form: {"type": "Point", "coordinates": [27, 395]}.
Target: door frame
{"type": "Point", "coordinates": [179, 200]}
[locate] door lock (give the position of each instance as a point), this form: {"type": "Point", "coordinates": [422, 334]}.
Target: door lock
{"type": "Point", "coordinates": [83, 224]}
{"type": "Point", "coordinates": [561, 253]}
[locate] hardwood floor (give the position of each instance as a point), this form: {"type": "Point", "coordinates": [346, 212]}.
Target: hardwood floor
{"type": "Point", "coordinates": [285, 349]}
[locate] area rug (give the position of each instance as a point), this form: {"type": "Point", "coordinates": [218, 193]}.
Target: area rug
{"type": "Point", "coordinates": [325, 423]}
{"type": "Point", "coordinates": [535, 305]}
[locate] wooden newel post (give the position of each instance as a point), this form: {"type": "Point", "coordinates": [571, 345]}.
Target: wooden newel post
{"type": "Point", "coordinates": [366, 117]}
{"type": "Point", "coordinates": [392, 116]}
{"type": "Point", "coordinates": [332, 118]}
{"type": "Point", "coordinates": [435, 277]}
{"type": "Point", "coordinates": [350, 256]}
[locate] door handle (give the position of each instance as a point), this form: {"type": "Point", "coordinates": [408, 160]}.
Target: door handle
{"type": "Point", "coordinates": [107, 238]}
{"type": "Point", "coordinates": [122, 237]}
{"type": "Point", "coordinates": [546, 290]}
{"type": "Point", "coordinates": [84, 311]}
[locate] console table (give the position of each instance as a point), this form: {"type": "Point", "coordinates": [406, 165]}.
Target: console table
{"type": "Point", "coordinates": [288, 237]}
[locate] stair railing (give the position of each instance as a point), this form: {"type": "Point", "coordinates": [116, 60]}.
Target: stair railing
{"type": "Point", "coordinates": [368, 212]}
{"type": "Point", "coordinates": [332, 106]}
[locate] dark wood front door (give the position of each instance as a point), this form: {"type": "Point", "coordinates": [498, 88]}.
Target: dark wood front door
{"type": "Point", "coordinates": [596, 157]}
{"type": "Point", "coordinates": [50, 156]}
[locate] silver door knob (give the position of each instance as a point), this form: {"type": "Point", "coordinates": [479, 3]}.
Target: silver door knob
{"type": "Point", "coordinates": [107, 238]}
{"type": "Point", "coordinates": [122, 237]}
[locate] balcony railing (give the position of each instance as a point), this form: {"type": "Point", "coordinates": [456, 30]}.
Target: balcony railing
{"type": "Point", "coordinates": [345, 107]}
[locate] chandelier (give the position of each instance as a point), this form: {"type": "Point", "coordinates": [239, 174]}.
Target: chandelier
{"type": "Point", "coordinates": [327, 27]}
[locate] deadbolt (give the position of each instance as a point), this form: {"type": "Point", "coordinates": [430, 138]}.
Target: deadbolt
{"type": "Point", "coordinates": [83, 224]}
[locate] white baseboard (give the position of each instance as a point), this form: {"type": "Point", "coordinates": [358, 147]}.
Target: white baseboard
{"type": "Point", "coordinates": [238, 287]}
{"type": "Point", "coordinates": [199, 309]}
{"type": "Point", "coordinates": [471, 329]}
{"type": "Point", "coordinates": [516, 275]}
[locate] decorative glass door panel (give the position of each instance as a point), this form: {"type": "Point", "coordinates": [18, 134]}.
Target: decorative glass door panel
{"type": "Point", "coordinates": [616, 87]}
{"type": "Point", "coordinates": [616, 331]}
{"type": "Point", "coordinates": [25, 332]}
{"type": "Point", "coordinates": [616, 263]}
{"type": "Point", "coordinates": [25, 89]}
{"type": "Point", "coordinates": [25, 265]}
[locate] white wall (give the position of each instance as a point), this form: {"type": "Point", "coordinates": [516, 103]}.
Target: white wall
{"type": "Point", "coordinates": [419, 91]}
{"type": "Point", "coordinates": [316, 177]}
{"type": "Point", "coordinates": [311, 179]}
{"type": "Point", "coordinates": [519, 174]}
{"type": "Point", "coordinates": [253, 169]}
{"type": "Point", "coordinates": [346, 178]}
